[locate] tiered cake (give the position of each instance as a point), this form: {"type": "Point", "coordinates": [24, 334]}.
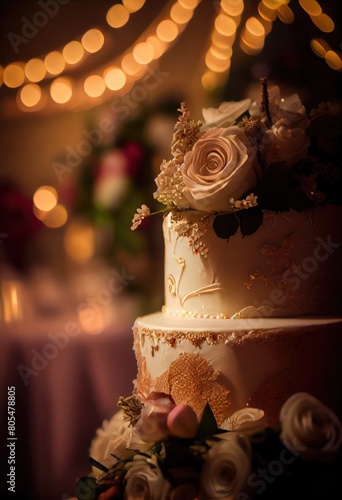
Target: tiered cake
{"type": "Point", "coordinates": [250, 335]}
{"type": "Point", "coordinates": [252, 312]}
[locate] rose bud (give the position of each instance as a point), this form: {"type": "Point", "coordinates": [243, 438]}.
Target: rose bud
{"type": "Point", "coordinates": [182, 421]}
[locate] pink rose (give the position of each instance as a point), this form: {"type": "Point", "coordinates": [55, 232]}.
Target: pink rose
{"type": "Point", "coordinates": [152, 424]}
{"type": "Point", "coordinates": [219, 167]}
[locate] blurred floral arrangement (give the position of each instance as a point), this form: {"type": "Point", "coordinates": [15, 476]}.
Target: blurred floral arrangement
{"type": "Point", "coordinates": [157, 450]}
{"type": "Point", "coordinates": [269, 154]}
{"type": "Point", "coordinates": [113, 181]}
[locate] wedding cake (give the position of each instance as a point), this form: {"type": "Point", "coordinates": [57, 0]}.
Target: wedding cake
{"type": "Point", "coordinates": [242, 367]}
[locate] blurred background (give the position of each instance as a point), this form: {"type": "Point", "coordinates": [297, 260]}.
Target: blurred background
{"type": "Point", "coordinates": [88, 101]}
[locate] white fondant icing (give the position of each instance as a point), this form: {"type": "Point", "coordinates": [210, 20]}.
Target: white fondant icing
{"type": "Point", "coordinates": [260, 359]}
{"type": "Point", "coordinates": [289, 267]}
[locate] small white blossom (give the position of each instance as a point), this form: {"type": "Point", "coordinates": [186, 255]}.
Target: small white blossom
{"type": "Point", "coordinates": [141, 214]}
{"type": "Point", "coordinates": [248, 202]}
{"type": "Point", "coordinates": [170, 185]}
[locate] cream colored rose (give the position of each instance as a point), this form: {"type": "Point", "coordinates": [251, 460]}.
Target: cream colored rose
{"type": "Point", "coordinates": [289, 108]}
{"type": "Point", "coordinates": [111, 438]}
{"type": "Point", "coordinates": [309, 428]}
{"type": "Point", "coordinates": [145, 481]}
{"type": "Point", "coordinates": [285, 144]}
{"type": "Point", "coordinates": [226, 468]}
{"type": "Point", "coordinates": [219, 167]}
{"type": "Point", "coordinates": [246, 419]}
{"type": "Point", "coordinates": [225, 115]}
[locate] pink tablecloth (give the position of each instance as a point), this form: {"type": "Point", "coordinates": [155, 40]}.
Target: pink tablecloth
{"type": "Point", "coordinates": [59, 403]}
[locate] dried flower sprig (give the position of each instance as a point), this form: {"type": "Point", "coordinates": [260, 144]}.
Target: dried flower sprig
{"type": "Point", "coordinates": [170, 185]}
{"type": "Point", "coordinates": [131, 407]}
{"type": "Point", "coordinates": [141, 214]}
{"type": "Point", "coordinates": [187, 132]}
{"type": "Point", "coordinates": [250, 201]}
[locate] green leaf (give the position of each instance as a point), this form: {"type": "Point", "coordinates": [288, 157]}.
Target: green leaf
{"type": "Point", "coordinates": [250, 220]}
{"type": "Point", "coordinates": [208, 425]}
{"type": "Point", "coordinates": [86, 488]}
{"type": "Point", "coordinates": [97, 464]}
{"type": "Point", "coordinates": [225, 225]}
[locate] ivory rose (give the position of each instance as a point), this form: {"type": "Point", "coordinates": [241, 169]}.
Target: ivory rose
{"type": "Point", "coordinates": [288, 108]}
{"type": "Point", "coordinates": [111, 441]}
{"type": "Point", "coordinates": [226, 468]}
{"type": "Point", "coordinates": [145, 481]}
{"type": "Point", "coordinates": [285, 144]}
{"type": "Point", "coordinates": [309, 428]}
{"type": "Point", "coordinates": [246, 419]}
{"type": "Point", "coordinates": [219, 167]}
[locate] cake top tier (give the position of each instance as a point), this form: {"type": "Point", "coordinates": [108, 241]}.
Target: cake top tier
{"type": "Point", "coordinates": [270, 153]}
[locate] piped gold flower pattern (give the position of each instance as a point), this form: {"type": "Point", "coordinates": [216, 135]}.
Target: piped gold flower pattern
{"type": "Point", "coordinates": [190, 379]}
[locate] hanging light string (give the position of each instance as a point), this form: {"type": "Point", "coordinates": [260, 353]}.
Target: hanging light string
{"type": "Point", "coordinates": [54, 63]}
{"type": "Point", "coordinates": [118, 74]}
{"type": "Point", "coordinates": [222, 39]}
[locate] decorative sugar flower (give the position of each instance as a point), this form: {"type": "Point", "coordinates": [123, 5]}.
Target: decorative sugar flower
{"type": "Point", "coordinates": [141, 214]}
{"type": "Point", "coordinates": [144, 480]}
{"type": "Point", "coordinates": [309, 428]}
{"type": "Point", "coordinates": [219, 167]}
{"type": "Point", "coordinates": [226, 468]}
{"type": "Point", "coordinates": [224, 165]}
{"type": "Point", "coordinates": [225, 115]}
{"type": "Point", "coordinates": [289, 108]}
{"type": "Point", "coordinates": [283, 143]}
{"type": "Point", "coordinates": [170, 185]}
{"type": "Point", "coordinates": [152, 424]}
{"type": "Point", "coordinates": [182, 421]}
{"type": "Point", "coordinates": [246, 419]}
{"type": "Point", "coordinates": [111, 441]}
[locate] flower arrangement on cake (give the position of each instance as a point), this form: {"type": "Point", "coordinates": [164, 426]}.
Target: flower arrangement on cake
{"type": "Point", "coordinates": [157, 450]}
{"type": "Point", "coordinates": [270, 154]}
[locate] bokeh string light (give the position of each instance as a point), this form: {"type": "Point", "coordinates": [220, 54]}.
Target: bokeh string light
{"type": "Point", "coordinates": [118, 74]}
{"type": "Point", "coordinates": [47, 208]}
{"type": "Point", "coordinates": [43, 81]}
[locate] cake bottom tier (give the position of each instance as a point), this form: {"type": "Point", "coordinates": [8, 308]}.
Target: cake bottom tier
{"type": "Point", "coordinates": [234, 364]}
